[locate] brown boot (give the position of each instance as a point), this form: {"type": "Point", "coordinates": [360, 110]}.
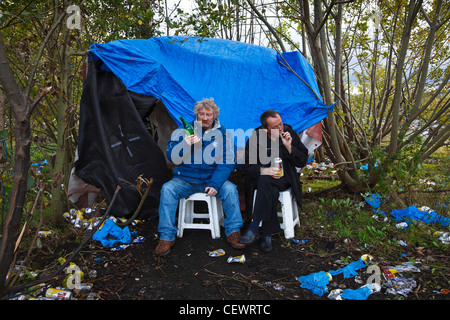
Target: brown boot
{"type": "Point", "coordinates": [233, 240]}
{"type": "Point", "coordinates": [163, 247]}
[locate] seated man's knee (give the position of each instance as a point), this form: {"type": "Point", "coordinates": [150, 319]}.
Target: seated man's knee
{"type": "Point", "coordinates": [264, 181]}
{"type": "Point", "coordinates": [228, 189]}
{"type": "Point", "coordinates": [168, 190]}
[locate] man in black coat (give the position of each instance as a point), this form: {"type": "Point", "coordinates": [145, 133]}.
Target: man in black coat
{"type": "Point", "coordinates": [271, 140]}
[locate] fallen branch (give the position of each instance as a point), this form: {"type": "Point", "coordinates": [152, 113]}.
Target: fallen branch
{"type": "Point", "coordinates": [321, 177]}
{"type": "Point", "coordinates": [426, 191]}
{"type": "Point", "coordinates": [240, 278]}
{"type": "Point", "coordinates": [135, 214]}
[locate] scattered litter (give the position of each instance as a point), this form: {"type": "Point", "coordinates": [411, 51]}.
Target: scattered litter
{"type": "Point", "coordinates": [139, 239]}
{"type": "Point", "coordinates": [379, 218]}
{"type": "Point", "coordinates": [424, 214]}
{"type": "Point", "coordinates": [400, 285]}
{"type": "Point", "coordinates": [92, 274]}
{"type": "Point", "coordinates": [108, 233]}
{"type": "Point", "coordinates": [402, 225]}
{"type": "Point", "coordinates": [443, 236]}
{"type": "Point", "coordinates": [427, 182]}
{"type": "Point", "coordinates": [387, 273]}
{"type": "Point", "coordinates": [216, 253]}
{"type": "Point", "coordinates": [83, 218]}
{"type": "Point", "coordinates": [93, 296]}
{"type": "Point", "coordinates": [402, 255]}
{"type": "Point", "coordinates": [300, 241]}
{"type": "Point", "coordinates": [74, 276]}
{"type": "Point", "coordinates": [85, 287]}
{"type": "Point", "coordinates": [405, 267]}
{"type": "Point", "coordinates": [238, 259]}
{"type": "Point", "coordinates": [73, 286]}
{"type": "Point", "coordinates": [402, 243]}
{"type": "Point", "coordinates": [320, 166]}
{"type": "Point", "coordinates": [23, 272]}
{"type": "Point", "coordinates": [410, 214]}
{"type": "Point", "coordinates": [111, 234]}
{"type": "Point", "coordinates": [362, 293]}
{"type": "Point", "coordinates": [341, 262]}
{"type": "Point", "coordinates": [275, 286]}
{"type": "Point", "coordinates": [43, 234]}
{"type": "Point", "coordinates": [120, 247]}
{"type": "Point", "coordinates": [335, 294]}
{"type": "Point", "coordinates": [278, 287]}
{"type": "Point", "coordinates": [58, 294]}
{"type": "Point", "coordinates": [316, 282]}
{"type": "Point", "coordinates": [350, 269]}
{"type": "Point", "coordinates": [358, 279]}
{"type": "Point", "coordinates": [374, 200]}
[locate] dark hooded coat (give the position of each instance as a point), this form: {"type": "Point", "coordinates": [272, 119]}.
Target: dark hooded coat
{"type": "Point", "coordinates": [291, 161]}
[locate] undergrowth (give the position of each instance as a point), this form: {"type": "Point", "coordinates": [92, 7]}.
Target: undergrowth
{"type": "Point", "coordinates": [349, 221]}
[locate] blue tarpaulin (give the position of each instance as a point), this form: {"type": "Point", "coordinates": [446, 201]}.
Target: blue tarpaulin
{"type": "Point", "coordinates": [244, 79]}
{"type": "Point", "coordinates": [126, 78]}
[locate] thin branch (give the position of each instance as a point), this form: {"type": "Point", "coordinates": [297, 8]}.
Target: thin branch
{"type": "Point", "coordinates": [39, 55]}
{"type": "Point", "coordinates": [271, 29]}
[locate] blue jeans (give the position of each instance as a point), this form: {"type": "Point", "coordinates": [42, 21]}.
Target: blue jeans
{"type": "Point", "coordinates": [177, 188]}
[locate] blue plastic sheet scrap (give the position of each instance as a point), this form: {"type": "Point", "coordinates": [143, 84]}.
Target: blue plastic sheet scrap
{"type": "Point", "coordinates": [374, 200]}
{"type": "Point", "coordinates": [350, 269]}
{"type": "Point", "coordinates": [358, 294]}
{"type": "Point", "coordinates": [111, 234]}
{"type": "Point", "coordinates": [425, 214]}
{"type": "Point", "coordinates": [316, 282]}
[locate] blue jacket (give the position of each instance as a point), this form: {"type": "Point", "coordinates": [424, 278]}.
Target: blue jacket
{"type": "Point", "coordinates": [209, 161]}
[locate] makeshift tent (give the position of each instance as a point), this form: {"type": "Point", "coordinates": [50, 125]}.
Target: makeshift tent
{"type": "Point", "coordinates": [127, 77]}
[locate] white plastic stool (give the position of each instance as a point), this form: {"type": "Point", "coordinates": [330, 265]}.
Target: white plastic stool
{"type": "Point", "coordinates": [289, 212]}
{"type": "Point", "coordinates": [186, 214]}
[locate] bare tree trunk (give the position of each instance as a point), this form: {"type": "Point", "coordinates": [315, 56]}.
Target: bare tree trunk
{"type": "Point", "coordinates": [334, 142]}
{"type": "Point", "coordinates": [394, 99]}
{"type": "Point", "coordinates": [434, 26]}
{"type": "Point", "coordinates": [413, 8]}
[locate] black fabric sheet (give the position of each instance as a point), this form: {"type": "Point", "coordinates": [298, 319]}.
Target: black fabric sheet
{"type": "Point", "coordinates": [114, 145]}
